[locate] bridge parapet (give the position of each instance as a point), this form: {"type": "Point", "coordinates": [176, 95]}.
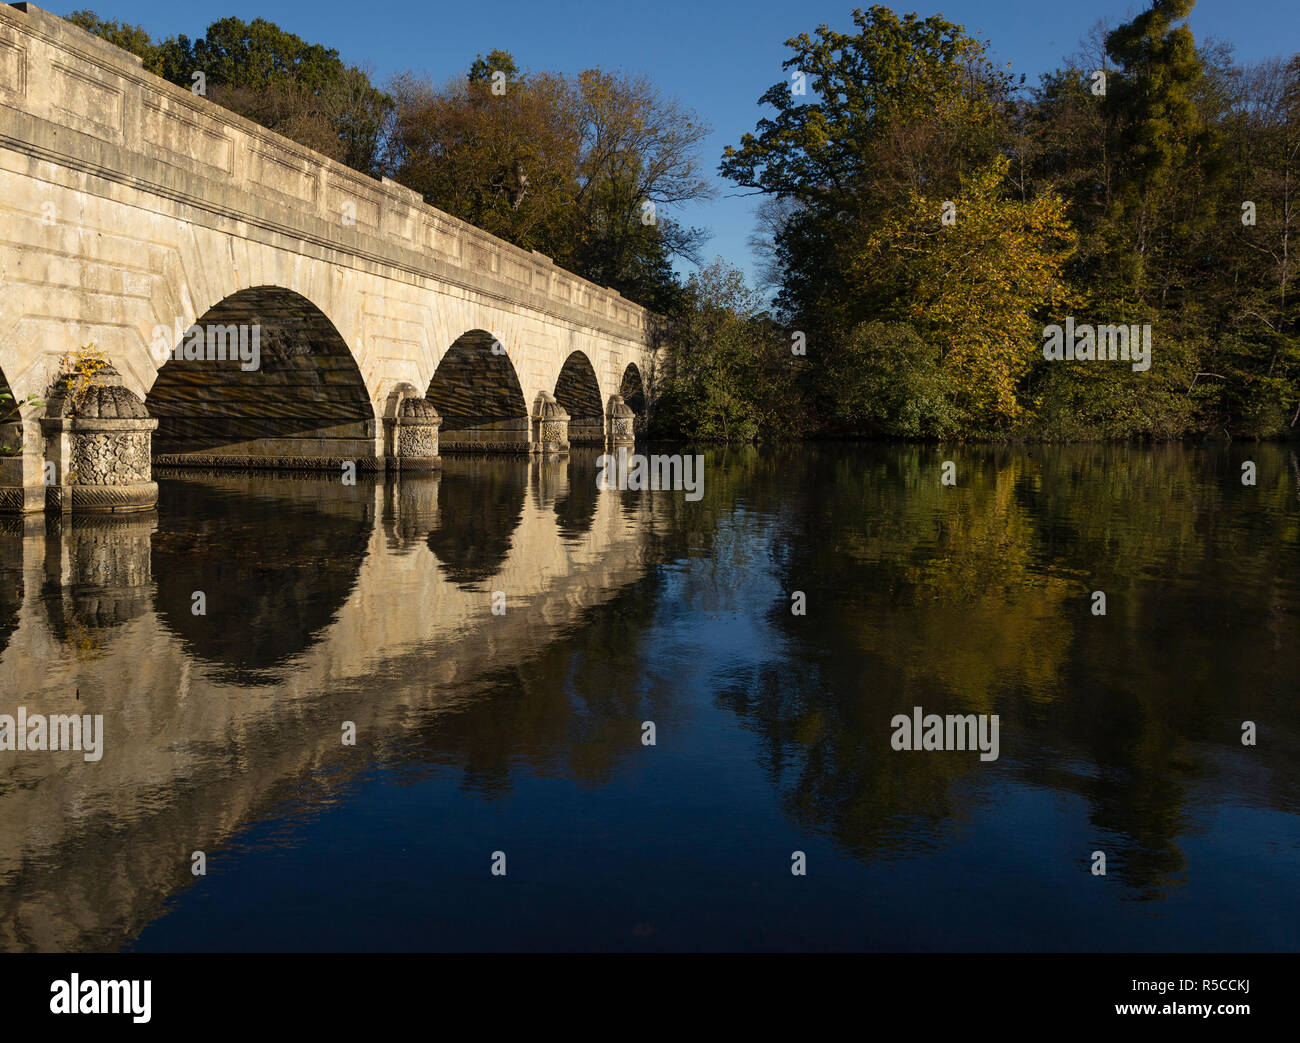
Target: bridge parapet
{"type": "Point", "coordinates": [69, 97]}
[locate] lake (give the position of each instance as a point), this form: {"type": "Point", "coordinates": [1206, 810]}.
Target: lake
{"type": "Point", "coordinates": [608, 720]}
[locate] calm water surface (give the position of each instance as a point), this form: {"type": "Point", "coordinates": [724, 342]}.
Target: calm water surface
{"type": "Point", "coordinates": [522, 733]}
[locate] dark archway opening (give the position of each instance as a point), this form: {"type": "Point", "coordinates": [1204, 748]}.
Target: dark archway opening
{"type": "Point", "coordinates": [633, 391]}
{"type": "Point", "coordinates": [263, 379]}
{"type": "Point", "coordinates": [11, 499]}
{"type": "Point", "coordinates": [578, 393]}
{"type": "Point", "coordinates": [11, 422]}
{"type": "Point", "coordinates": [476, 392]}
{"type": "Point", "coordinates": [11, 446]}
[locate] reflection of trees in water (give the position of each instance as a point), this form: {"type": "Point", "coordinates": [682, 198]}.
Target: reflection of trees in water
{"type": "Point", "coordinates": [480, 504]}
{"type": "Point", "coordinates": [976, 600]}
{"type": "Point", "coordinates": [273, 580]}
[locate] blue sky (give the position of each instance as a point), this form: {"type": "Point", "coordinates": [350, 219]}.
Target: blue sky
{"type": "Point", "coordinates": [716, 56]}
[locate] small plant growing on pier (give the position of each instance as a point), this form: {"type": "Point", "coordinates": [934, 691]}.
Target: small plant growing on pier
{"type": "Point", "coordinates": [82, 368]}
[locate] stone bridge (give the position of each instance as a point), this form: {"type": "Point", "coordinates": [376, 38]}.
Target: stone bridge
{"type": "Point", "coordinates": [257, 304]}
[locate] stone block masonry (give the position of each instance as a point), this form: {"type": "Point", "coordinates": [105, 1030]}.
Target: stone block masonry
{"type": "Point", "coordinates": [130, 206]}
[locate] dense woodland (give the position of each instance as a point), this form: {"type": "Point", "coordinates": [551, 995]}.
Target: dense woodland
{"type": "Point", "coordinates": [923, 215]}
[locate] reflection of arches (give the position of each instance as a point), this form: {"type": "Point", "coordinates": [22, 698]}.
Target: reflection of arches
{"type": "Point", "coordinates": [270, 589]}
{"type": "Point", "coordinates": [633, 391]}
{"type": "Point", "coordinates": [262, 379]}
{"type": "Point", "coordinates": [480, 504]}
{"type": "Point", "coordinates": [477, 393]}
{"type": "Point", "coordinates": [578, 392]}
{"type": "Point", "coordinates": [576, 508]}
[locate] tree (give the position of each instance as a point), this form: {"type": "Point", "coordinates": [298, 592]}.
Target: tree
{"type": "Point", "coordinates": [886, 379]}
{"type": "Point", "coordinates": [295, 88]}
{"type": "Point", "coordinates": [133, 38]}
{"type": "Point", "coordinates": [1261, 361]}
{"type": "Point", "coordinates": [484, 69]}
{"type": "Point", "coordinates": [976, 288]}
{"type": "Point", "coordinates": [714, 365]}
{"type": "Point", "coordinates": [505, 163]}
{"type": "Point", "coordinates": [639, 159]}
{"type": "Point", "coordinates": [1161, 141]}
{"type": "Point", "coordinates": [902, 106]}
{"type": "Point", "coordinates": [585, 169]}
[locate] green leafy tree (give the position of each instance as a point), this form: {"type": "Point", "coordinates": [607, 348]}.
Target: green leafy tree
{"type": "Point", "coordinates": [714, 365]}
{"type": "Point", "coordinates": [295, 88]}
{"type": "Point", "coordinates": [901, 106]}
{"type": "Point", "coordinates": [976, 288]}
{"type": "Point", "coordinates": [1165, 152]}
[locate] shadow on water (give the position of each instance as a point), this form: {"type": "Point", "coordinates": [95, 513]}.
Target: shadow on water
{"type": "Point", "coordinates": [575, 506]}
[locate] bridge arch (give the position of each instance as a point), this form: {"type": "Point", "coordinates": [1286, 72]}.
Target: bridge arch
{"type": "Point", "coordinates": [11, 433]}
{"type": "Point", "coordinates": [476, 391]}
{"type": "Point", "coordinates": [262, 379]}
{"type": "Point", "coordinates": [632, 389]}
{"type": "Point", "coordinates": [578, 391]}
{"type": "Point", "coordinates": [11, 481]}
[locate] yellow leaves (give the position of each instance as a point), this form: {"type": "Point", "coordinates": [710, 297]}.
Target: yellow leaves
{"type": "Point", "coordinates": [974, 287]}
{"type": "Point", "coordinates": [83, 368]}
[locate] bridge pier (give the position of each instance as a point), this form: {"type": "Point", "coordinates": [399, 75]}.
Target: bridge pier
{"type": "Point", "coordinates": [411, 436]}
{"type": "Point", "coordinates": [550, 425]}
{"type": "Point", "coordinates": [97, 446]}
{"type": "Point", "coordinates": [620, 422]}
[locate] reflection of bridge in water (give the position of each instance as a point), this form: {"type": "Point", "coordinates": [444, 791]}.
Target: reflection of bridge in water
{"type": "Point", "coordinates": [333, 611]}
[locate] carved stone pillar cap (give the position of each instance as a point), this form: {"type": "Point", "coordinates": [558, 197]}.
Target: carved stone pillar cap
{"type": "Point", "coordinates": [418, 409]}
{"type": "Point", "coordinates": [104, 399]}
{"type": "Point", "coordinates": [546, 408]}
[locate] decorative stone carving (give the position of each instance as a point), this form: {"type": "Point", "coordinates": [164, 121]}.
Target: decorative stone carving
{"type": "Point", "coordinates": [99, 438]}
{"type": "Point", "coordinates": [550, 425]}
{"type": "Point", "coordinates": [620, 422]}
{"type": "Point", "coordinates": [413, 436]}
